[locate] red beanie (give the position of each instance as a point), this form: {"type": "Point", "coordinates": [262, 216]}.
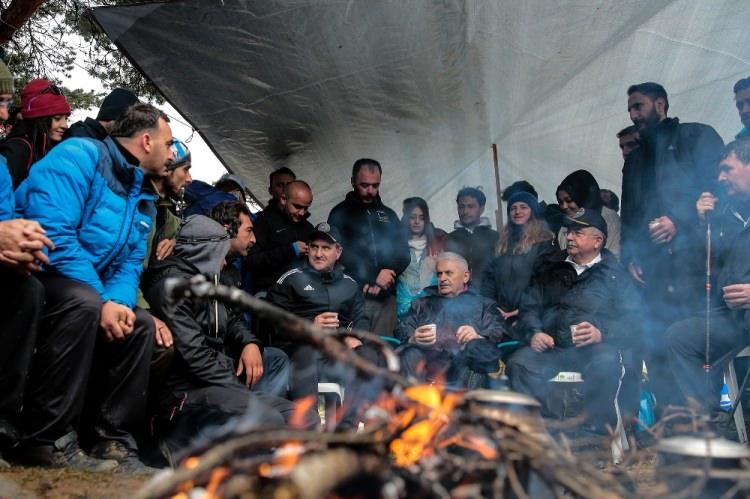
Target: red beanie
{"type": "Point", "coordinates": [39, 98]}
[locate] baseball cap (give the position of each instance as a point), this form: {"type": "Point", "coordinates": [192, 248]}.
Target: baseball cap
{"type": "Point", "coordinates": [325, 231]}
{"type": "Point", "coordinates": [587, 218]}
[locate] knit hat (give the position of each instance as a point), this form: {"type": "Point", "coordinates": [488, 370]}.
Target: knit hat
{"type": "Point", "coordinates": [180, 155]}
{"type": "Point", "coordinates": [40, 98]}
{"type": "Point", "coordinates": [524, 197]}
{"type": "Point", "coordinates": [115, 104]}
{"type": "Point", "coordinates": [6, 80]}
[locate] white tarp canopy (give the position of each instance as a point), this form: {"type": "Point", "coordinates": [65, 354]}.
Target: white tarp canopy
{"type": "Point", "coordinates": [427, 86]}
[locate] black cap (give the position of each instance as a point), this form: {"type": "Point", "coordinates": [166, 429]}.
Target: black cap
{"type": "Point", "coordinates": [327, 232]}
{"type": "Point", "coordinates": [587, 218]}
{"type": "Point", "coordinates": [115, 104]}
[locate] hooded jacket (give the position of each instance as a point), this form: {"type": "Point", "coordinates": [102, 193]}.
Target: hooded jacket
{"type": "Point", "coordinates": [305, 292]}
{"type": "Point", "coordinates": [274, 251]}
{"type": "Point", "coordinates": [674, 164]}
{"type": "Point", "coordinates": [603, 295]}
{"type": "Point", "coordinates": [90, 200]}
{"type": "Point", "coordinates": [373, 239]}
{"type": "Point", "coordinates": [450, 313]}
{"type": "Point", "coordinates": [208, 335]}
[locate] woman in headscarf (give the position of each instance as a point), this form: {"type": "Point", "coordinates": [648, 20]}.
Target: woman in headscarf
{"type": "Point", "coordinates": [580, 191]}
{"type": "Point", "coordinates": [524, 241]}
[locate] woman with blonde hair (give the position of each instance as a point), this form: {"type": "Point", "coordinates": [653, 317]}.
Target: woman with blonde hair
{"type": "Point", "coordinates": [524, 241]}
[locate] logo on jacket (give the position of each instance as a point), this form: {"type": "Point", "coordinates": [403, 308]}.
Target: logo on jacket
{"type": "Point", "coordinates": [308, 288]}
{"type": "Point", "coordinates": [382, 216]}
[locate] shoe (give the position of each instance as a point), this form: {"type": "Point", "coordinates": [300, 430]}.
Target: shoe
{"type": "Point", "coordinates": [127, 459]}
{"type": "Point", "coordinates": [63, 453]}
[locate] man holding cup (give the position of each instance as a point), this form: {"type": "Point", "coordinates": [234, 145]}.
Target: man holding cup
{"type": "Point", "coordinates": [320, 291]}
{"type": "Point", "coordinates": [579, 313]}
{"type": "Point", "coordinates": [451, 332]}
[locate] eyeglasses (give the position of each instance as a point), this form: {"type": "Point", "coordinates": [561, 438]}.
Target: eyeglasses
{"type": "Point", "coordinates": [51, 89]}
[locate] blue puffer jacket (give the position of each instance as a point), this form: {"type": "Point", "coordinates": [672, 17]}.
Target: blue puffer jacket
{"type": "Point", "coordinates": [89, 200]}
{"type": "Point", "coordinates": [7, 202]}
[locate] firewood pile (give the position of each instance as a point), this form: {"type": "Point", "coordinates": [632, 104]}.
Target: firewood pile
{"type": "Point", "coordinates": [418, 441]}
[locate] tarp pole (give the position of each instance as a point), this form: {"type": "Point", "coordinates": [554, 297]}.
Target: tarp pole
{"type": "Point", "coordinates": [498, 190]}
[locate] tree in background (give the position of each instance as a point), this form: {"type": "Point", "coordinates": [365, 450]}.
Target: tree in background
{"type": "Point", "coordinates": [48, 38]}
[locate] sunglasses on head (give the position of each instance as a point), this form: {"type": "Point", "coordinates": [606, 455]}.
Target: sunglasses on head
{"type": "Point", "coordinates": [52, 89]}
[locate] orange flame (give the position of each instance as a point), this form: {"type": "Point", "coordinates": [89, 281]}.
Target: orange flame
{"type": "Point", "coordinates": [218, 475]}
{"type": "Point", "coordinates": [284, 460]}
{"type": "Point", "coordinates": [301, 408]}
{"type": "Point", "coordinates": [414, 441]}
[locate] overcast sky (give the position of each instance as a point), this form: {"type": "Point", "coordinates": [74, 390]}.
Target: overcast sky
{"type": "Point", "coordinates": [206, 165]}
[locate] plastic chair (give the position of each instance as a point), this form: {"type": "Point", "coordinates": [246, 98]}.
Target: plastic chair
{"type": "Point", "coordinates": [730, 376]}
{"type": "Point", "coordinates": [333, 397]}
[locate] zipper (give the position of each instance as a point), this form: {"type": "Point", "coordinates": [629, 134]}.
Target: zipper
{"type": "Point", "coordinates": [216, 310]}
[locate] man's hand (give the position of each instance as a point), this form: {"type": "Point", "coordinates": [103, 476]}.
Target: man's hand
{"type": "Point", "coordinates": [164, 248]}
{"type": "Point", "coordinates": [22, 245]}
{"type": "Point", "coordinates": [586, 334]}
{"type": "Point", "coordinates": [705, 203]}
{"type": "Point", "coordinates": [636, 272]}
{"type": "Point", "coordinates": [163, 333]}
{"type": "Point", "coordinates": [371, 289]}
{"type": "Point", "coordinates": [737, 295]}
{"type": "Point", "coordinates": [541, 342]}
{"type": "Point", "coordinates": [467, 333]}
{"type": "Point", "coordinates": [352, 342]}
{"type": "Point", "coordinates": [327, 319]}
{"type": "Point", "coordinates": [662, 230]}
{"type": "Point", "coordinates": [386, 278]}
{"type": "Point", "coordinates": [116, 321]}
{"type": "Point", "coordinates": [426, 335]}
{"type": "Point", "coordinates": [251, 362]}
{"type": "Point", "coordinates": [507, 315]}
{"type": "Point", "coordinates": [302, 247]}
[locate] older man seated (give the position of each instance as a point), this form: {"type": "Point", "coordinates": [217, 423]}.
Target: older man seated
{"type": "Point", "coordinates": [579, 313]}
{"type": "Point", "coordinates": [730, 320]}
{"type": "Point", "coordinates": [451, 332]}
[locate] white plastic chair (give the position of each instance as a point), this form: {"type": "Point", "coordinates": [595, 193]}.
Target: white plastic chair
{"type": "Point", "coordinates": [333, 397]}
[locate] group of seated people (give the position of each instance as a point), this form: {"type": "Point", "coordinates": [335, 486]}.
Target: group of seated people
{"type": "Point", "coordinates": [97, 354]}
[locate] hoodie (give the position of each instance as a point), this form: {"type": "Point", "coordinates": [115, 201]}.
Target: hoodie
{"type": "Point", "coordinates": [208, 335]}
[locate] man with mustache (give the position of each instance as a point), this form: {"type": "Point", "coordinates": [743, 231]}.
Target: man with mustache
{"type": "Point", "coordinates": [674, 163]}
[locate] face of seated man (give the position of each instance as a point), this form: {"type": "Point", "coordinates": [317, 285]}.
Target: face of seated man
{"type": "Point", "coordinates": [452, 278]}
{"type": "Point", "coordinates": [583, 243]}
{"type": "Point", "coordinates": [323, 255]}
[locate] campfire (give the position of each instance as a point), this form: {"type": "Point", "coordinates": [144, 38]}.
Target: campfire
{"type": "Point", "coordinates": [418, 441]}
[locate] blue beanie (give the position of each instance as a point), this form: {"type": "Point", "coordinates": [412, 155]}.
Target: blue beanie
{"type": "Point", "coordinates": [524, 197]}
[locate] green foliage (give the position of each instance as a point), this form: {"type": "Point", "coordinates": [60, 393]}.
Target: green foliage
{"type": "Point", "coordinates": [61, 35]}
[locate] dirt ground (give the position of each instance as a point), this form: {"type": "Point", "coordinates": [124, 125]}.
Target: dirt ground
{"type": "Point", "coordinates": [37, 483]}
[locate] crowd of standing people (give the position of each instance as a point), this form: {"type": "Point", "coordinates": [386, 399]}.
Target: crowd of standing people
{"type": "Point", "coordinates": [102, 370]}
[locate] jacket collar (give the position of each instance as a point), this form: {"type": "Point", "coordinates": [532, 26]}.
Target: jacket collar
{"type": "Point", "coordinates": [352, 198]}
{"type": "Point", "coordinates": [483, 222]}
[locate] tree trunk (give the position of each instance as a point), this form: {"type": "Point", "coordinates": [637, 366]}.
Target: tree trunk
{"type": "Point", "coordinates": [15, 16]}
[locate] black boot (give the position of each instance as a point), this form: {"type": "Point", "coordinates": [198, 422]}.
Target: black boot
{"type": "Point", "coordinates": [63, 453]}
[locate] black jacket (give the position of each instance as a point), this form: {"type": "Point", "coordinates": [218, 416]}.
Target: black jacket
{"type": "Point", "coordinates": [373, 239]}
{"type": "Point", "coordinates": [448, 314]}
{"type": "Point", "coordinates": [87, 128]}
{"type": "Point", "coordinates": [674, 164]}
{"type": "Point", "coordinates": [306, 293]}
{"type": "Point", "coordinates": [603, 295]}
{"type": "Point", "coordinates": [273, 252]}
{"type": "Point", "coordinates": [208, 336]}
{"type": "Point", "coordinates": [508, 276]}
{"type": "Point", "coordinates": [477, 247]}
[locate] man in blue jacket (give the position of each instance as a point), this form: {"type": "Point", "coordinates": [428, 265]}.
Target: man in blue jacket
{"type": "Point", "coordinates": [89, 197]}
